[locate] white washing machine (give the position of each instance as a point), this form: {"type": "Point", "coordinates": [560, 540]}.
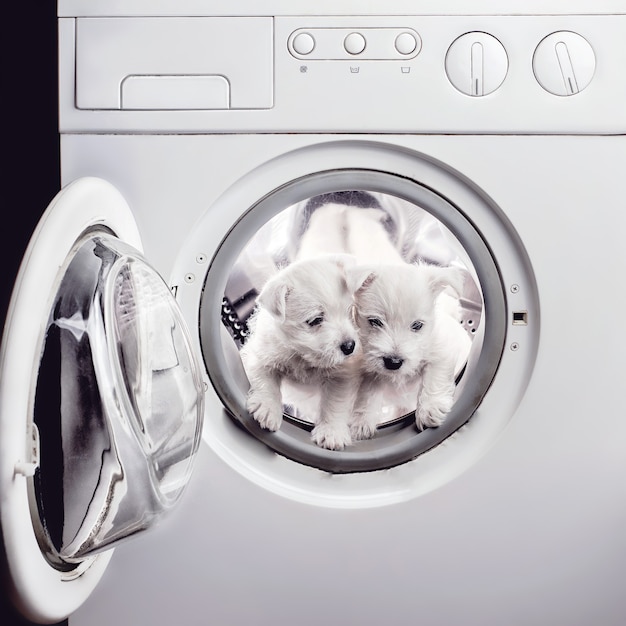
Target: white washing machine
{"type": "Point", "coordinates": [203, 134]}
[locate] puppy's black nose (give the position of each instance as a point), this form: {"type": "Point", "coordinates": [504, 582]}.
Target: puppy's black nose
{"type": "Point", "coordinates": [393, 362]}
{"type": "Point", "coordinates": [347, 347]}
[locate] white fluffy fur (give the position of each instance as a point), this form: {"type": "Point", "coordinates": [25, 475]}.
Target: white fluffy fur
{"type": "Point", "coordinates": [304, 332]}
{"type": "Point", "coordinates": [398, 295]}
{"type": "Point", "coordinates": [411, 339]}
{"type": "Point", "coordinates": [336, 228]}
{"type": "Point", "coordinates": [408, 340]}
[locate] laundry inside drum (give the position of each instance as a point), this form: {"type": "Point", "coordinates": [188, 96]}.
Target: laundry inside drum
{"type": "Point", "coordinates": [371, 229]}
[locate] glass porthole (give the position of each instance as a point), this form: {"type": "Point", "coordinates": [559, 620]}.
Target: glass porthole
{"type": "Point", "coordinates": [367, 220]}
{"type": "Point", "coordinates": [118, 396]}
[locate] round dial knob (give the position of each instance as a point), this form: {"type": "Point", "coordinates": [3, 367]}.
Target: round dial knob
{"type": "Point", "coordinates": [476, 64]}
{"type": "Point", "coordinates": [564, 63]}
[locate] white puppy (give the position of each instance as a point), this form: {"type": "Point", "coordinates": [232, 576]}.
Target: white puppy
{"type": "Point", "coordinates": [409, 319]}
{"type": "Point", "coordinates": [411, 338]}
{"type": "Point", "coordinates": [303, 331]}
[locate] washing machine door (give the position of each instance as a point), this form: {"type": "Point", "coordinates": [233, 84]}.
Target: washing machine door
{"type": "Point", "coordinates": [101, 400]}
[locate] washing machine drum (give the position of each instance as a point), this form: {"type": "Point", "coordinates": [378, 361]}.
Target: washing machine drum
{"type": "Point", "coordinates": [379, 220]}
{"type": "Point", "coordinates": [101, 400]}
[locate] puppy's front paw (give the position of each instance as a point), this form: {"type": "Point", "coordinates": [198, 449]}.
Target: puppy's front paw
{"type": "Point", "coordinates": [331, 436]}
{"type": "Point", "coordinates": [362, 428]}
{"type": "Point", "coordinates": [431, 410]}
{"type": "Point", "coordinates": [266, 411]}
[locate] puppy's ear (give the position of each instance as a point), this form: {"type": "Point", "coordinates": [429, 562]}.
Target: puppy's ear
{"type": "Point", "coordinates": [439, 278]}
{"type": "Point", "coordinates": [359, 278]}
{"type": "Point", "coordinates": [273, 298]}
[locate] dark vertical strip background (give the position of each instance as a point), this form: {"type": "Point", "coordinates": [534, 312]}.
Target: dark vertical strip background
{"type": "Point", "coordinates": [30, 147]}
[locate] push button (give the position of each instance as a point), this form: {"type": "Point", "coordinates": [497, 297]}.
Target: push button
{"type": "Point", "coordinates": [303, 43]}
{"type": "Point", "coordinates": [354, 43]}
{"type": "Point", "coordinates": [406, 43]}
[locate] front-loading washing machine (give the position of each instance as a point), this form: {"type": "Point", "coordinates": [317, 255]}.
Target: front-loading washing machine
{"type": "Point", "coordinates": [197, 141]}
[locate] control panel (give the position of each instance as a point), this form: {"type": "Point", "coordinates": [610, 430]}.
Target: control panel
{"type": "Point", "coordinates": [513, 74]}
{"type": "Point", "coordinates": [476, 63]}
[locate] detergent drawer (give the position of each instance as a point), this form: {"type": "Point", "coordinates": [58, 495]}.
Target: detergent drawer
{"type": "Point", "coordinates": [164, 63]}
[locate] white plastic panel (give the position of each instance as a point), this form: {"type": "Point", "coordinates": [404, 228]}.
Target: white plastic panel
{"type": "Point", "coordinates": [183, 53]}
{"type": "Point", "coordinates": [554, 478]}
{"type": "Point", "coordinates": [401, 94]}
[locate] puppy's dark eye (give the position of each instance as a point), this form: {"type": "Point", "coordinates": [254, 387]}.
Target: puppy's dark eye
{"type": "Point", "coordinates": [375, 322]}
{"type": "Point", "coordinates": [415, 326]}
{"type": "Point", "coordinates": [315, 321]}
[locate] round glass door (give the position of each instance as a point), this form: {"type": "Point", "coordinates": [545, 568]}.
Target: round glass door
{"type": "Point", "coordinates": [118, 405]}
{"type": "Point", "coordinates": [101, 400]}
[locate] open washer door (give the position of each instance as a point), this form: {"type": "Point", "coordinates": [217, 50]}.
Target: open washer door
{"type": "Point", "coordinates": [101, 400]}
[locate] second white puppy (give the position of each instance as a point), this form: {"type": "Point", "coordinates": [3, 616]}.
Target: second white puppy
{"type": "Point", "coordinates": [411, 339]}
{"type": "Point", "coordinates": [303, 331]}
